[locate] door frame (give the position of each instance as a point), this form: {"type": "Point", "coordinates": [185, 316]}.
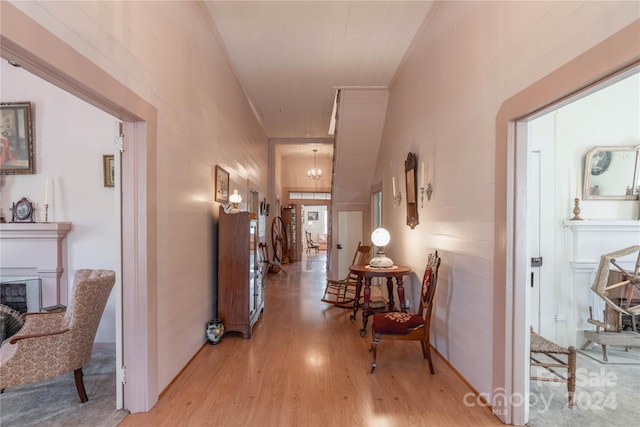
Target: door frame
{"type": "Point", "coordinates": [41, 53]}
{"type": "Point", "coordinates": [613, 56]}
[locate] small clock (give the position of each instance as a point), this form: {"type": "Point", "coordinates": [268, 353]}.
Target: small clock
{"type": "Point", "coordinates": [22, 211]}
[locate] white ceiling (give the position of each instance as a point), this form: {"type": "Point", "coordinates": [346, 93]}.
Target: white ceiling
{"type": "Point", "coordinates": [291, 57]}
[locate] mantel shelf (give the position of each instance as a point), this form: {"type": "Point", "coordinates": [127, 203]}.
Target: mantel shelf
{"type": "Point", "coordinates": [34, 230]}
{"type": "Point", "coordinates": [604, 225]}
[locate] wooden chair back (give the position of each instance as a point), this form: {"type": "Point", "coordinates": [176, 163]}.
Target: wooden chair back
{"type": "Point", "coordinates": [429, 284]}
{"type": "Point", "coordinates": [360, 257]}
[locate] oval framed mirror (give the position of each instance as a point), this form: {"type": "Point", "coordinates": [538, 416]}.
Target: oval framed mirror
{"type": "Point", "coordinates": [410, 172]}
{"type": "Point", "coordinates": [612, 173]}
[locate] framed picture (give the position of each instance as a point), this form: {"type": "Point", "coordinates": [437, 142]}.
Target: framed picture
{"type": "Point", "coordinates": [312, 216]}
{"type": "Point", "coordinates": [222, 185]}
{"type": "Point", "coordinates": [109, 170]}
{"type": "Point", "coordinates": [16, 139]}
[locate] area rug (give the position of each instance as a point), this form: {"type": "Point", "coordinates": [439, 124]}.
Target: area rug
{"type": "Point", "coordinates": [615, 355]}
{"type": "Point", "coordinates": [55, 402]}
{"type": "Point", "coordinates": [606, 395]}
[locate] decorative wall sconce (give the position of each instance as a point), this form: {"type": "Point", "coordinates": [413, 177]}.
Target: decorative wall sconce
{"type": "Point", "coordinates": [423, 190]}
{"type": "Point", "coordinates": [397, 196]}
{"type": "Point", "coordinates": [429, 191]}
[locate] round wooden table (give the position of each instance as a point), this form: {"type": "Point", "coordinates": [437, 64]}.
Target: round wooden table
{"type": "Point", "coordinates": [367, 272]}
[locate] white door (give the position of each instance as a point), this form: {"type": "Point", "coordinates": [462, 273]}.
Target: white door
{"type": "Point", "coordinates": [349, 234]}
{"type": "Point", "coordinates": [541, 229]}
{"type": "Point", "coordinates": [118, 266]}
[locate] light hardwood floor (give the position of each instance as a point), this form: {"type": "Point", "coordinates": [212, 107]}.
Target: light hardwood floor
{"type": "Point", "coordinates": [306, 365]}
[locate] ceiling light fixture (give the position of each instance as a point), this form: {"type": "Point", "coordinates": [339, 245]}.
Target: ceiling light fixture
{"type": "Point", "coordinates": [314, 173]}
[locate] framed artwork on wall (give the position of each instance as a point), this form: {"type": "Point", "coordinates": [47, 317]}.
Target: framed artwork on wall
{"type": "Point", "coordinates": [222, 185]}
{"type": "Point", "coordinates": [109, 170]}
{"type": "Point", "coordinates": [312, 216]}
{"type": "Point", "coordinates": [16, 139]}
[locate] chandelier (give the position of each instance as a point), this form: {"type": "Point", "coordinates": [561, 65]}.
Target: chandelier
{"type": "Point", "coordinates": [314, 173]}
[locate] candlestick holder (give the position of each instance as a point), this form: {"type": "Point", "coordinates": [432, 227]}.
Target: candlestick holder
{"type": "Point", "coordinates": [46, 212]}
{"type": "Point", "coordinates": [397, 199]}
{"type": "Point", "coordinates": [576, 210]}
{"type": "Point", "coordinates": [429, 191]}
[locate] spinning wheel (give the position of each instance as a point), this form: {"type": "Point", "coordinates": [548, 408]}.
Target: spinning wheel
{"type": "Point", "coordinates": [630, 280]}
{"type": "Point", "coordinates": [278, 239]}
{"type": "Point", "coordinates": [619, 297]}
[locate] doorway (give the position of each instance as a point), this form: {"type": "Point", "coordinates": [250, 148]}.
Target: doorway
{"type": "Point", "coordinates": [349, 234]}
{"type": "Point", "coordinates": [608, 58]}
{"type": "Point", "coordinates": [558, 139]}
{"type": "Point", "coordinates": [46, 56]}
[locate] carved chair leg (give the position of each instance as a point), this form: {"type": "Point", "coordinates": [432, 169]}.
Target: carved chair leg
{"type": "Point", "coordinates": [80, 385]}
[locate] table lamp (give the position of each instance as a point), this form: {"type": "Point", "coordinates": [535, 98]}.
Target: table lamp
{"type": "Point", "coordinates": [235, 199]}
{"type": "Point", "coordinates": [380, 237]}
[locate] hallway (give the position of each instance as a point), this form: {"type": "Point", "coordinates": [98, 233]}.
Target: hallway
{"type": "Point", "coordinates": [306, 365]}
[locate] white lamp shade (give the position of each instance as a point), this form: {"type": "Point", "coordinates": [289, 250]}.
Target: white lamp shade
{"type": "Point", "coordinates": [235, 197]}
{"type": "Point", "coordinates": [380, 237]}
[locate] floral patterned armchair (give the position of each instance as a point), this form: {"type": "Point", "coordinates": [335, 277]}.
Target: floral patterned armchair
{"type": "Point", "coordinates": [53, 344]}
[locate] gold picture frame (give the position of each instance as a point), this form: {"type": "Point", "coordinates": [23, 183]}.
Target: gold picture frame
{"type": "Point", "coordinates": [222, 185]}
{"type": "Point", "coordinates": [16, 138]}
{"type": "Point", "coordinates": [109, 170]}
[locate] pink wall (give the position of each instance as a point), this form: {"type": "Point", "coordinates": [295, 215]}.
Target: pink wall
{"type": "Point", "coordinates": [469, 58]}
{"type": "Point", "coordinates": [167, 53]}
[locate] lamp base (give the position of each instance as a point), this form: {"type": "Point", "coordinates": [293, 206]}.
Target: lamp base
{"type": "Point", "coordinates": [381, 262]}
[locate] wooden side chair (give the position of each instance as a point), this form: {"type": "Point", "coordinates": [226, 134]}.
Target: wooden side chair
{"type": "Point", "coordinates": [342, 293]}
{"type": "Point", "coordinates": [546, 354]}
{"type": "Point", "coordinates": [404, 326]}
{"type": "Point", "coordinates": [311, 244]}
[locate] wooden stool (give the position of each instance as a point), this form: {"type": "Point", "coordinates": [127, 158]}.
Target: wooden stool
{"type": "Point", "coordinates": [541, 345]}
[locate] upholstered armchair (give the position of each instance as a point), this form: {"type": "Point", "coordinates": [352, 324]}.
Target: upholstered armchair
{"type": "Point", "coordinates": [53, 344]}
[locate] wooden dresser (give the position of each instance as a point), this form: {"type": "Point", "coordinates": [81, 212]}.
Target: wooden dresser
{"type": "Point", "coordinates": [240, 298]}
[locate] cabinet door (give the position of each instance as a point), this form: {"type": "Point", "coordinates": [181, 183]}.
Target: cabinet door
{"type": "Point", "coordinates": [253, 270]}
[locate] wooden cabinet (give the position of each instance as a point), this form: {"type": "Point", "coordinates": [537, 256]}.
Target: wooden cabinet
{"type": "Point", "coordinates": [240, 299]}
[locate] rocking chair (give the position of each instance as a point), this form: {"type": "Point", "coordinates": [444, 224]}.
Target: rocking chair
{"type": "Point", "coordinates": [342, 293]}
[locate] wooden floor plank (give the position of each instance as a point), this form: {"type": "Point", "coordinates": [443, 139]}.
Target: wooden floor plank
{"type": "Point", "coordinates": [306, 365]}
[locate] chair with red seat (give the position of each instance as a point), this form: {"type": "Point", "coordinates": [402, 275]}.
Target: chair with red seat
{"type": "Point", "coordinates": [404, 326]}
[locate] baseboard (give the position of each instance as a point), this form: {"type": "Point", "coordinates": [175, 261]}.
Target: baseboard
{"type": "Point", "coordinates": [464, 380]}
{"type": "Point", "coordinates": [175, 378]}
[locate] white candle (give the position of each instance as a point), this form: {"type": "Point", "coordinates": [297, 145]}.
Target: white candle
{"type": "Point", "coordinates": [46, 190]}
{"type": "Point", "coordinates": [393, 184]}
{"type": "Point", "coordinates": [235, 192]}
{"type": "Point", "coordinates": [578, 186]}
{"type": "Point", "coordinates": [422, 176]}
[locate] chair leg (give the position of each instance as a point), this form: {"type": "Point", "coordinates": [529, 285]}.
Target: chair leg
{"type": "Point", "coordinates": [571, 375]}
{"type": "Point", "coordinates": [373, 350]}
{"type": "Point", "coordinates": [80, 385]}
{"type": "Point", "coordinates": [426, 352]}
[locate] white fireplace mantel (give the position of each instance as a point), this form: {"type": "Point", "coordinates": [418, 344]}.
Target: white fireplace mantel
{"type": "Point", "coordinates": [37, 249]}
